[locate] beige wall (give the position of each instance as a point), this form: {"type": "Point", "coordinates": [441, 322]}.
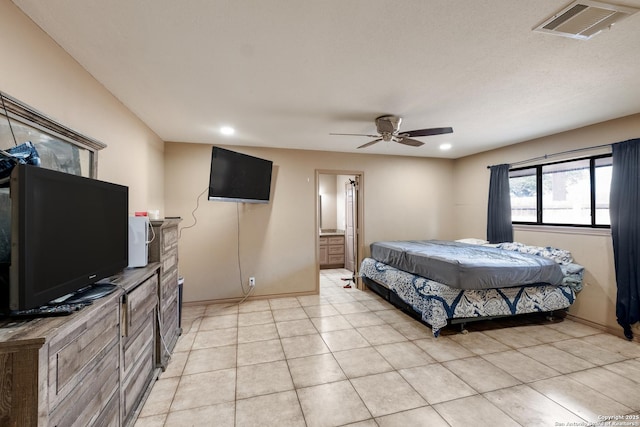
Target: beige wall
{"type": "Point", "coordinates": [329, 195]}
{"type": "Point", "coordinates": [404, 197]}
{"type": "Point", "coordinates": [36, 71]}
{"type": "Point", "coordinates": [596, 303]}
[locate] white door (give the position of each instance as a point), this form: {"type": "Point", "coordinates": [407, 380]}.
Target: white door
{"type": "Point", "coordinates": [350, 225]}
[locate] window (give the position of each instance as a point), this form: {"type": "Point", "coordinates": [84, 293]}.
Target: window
{"type": "Point", "coordinates": [573, 192]}
{"type": "Point", "coordinates": [603, 168]}
{"type": "Point", "coordinates": [524, 195]}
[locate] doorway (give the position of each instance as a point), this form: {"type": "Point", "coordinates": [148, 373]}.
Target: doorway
{"type": "Point", "coordinates": [340, 221]}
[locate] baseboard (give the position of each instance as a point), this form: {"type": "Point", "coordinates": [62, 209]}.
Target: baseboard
{"type": "Point", "coordinates": [613, 331]}
{"type": "Point", "coordinates": [251, 298]}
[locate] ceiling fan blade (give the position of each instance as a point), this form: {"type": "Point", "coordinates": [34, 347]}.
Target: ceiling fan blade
{"type": "Point", "coordinates": [370, 143]}
{"type": "Point", "coordinates": [409, 141]}
{"type": "Point", "coordinates": [355, 134]}
{"type": "Point", "coordinates": [427, 132]}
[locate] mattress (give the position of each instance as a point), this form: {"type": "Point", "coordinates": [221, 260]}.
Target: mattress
{"type": "Point", "coordinates": [467, 266]}
{"type": "Point", "coordinates": [437, 303]}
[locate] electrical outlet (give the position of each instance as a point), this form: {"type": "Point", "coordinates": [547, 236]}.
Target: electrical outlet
{"type": "Point", "coordinates": [252, 282]}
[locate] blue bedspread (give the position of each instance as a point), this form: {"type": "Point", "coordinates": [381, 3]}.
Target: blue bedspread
{"type": "Point", "coordinates": [437, 302]}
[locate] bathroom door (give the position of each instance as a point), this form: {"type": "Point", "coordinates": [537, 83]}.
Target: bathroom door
{"type": "Point", "coordinates": [350, 234]}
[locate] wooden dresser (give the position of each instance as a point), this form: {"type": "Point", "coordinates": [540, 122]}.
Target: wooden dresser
{"type": "Point", "coordinates": [164, 249]}
{"type": "Point", "coordinates": [91, 368]}
{"type": "Point", "coordinates": [331, 250]}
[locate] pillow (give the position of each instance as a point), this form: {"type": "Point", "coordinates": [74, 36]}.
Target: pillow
{"type": "Point", "coordinates": [473, 241]}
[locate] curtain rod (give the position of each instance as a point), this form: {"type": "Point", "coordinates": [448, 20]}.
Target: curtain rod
{"type": "Point", "coordinates": [546, 156]}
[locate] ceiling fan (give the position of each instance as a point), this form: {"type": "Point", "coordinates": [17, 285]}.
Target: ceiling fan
{"type": "Point", "coordinates": [388, 128]}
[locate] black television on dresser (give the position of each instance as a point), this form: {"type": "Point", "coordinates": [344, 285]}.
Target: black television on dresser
{"type": "Point", "coordinates": [67, 232]}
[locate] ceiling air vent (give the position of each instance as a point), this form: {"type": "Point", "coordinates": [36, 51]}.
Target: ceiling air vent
{"type": "Point", "coordinates": [583, 19]}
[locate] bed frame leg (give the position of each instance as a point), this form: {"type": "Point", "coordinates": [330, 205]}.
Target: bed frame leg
{"type": "Point", "coordinates": [463, 330]}
{"type": "Point", "coordinates": [550, 316]}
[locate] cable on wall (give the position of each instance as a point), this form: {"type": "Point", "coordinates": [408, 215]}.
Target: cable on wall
{"type": "Point", "coordinates": [244, 293]}
{"type": "Point", "coordinates": [193, 214]}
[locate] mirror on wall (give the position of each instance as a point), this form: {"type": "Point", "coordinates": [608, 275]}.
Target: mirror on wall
{"type": "Point", "coordinates": [332, 202]}
{"type": "Point", "coordinates": [58, 147]}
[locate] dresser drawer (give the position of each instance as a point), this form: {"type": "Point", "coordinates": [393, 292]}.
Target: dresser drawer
{"type": "Point", "coordinates": [168, 332]}
{"type": "Point", "coordinates": [336, 259]}
{"type": "Point", "coordinates": [334, 250]}
{"type": "Point", "coordinates": [138, 345]}
{"type": "Point", "coordinates": [339, 240]}
{"type": "Point", "coordinates": [323, 241]}
{"type": "Point", "coordinates": [75, 353]}
{"type": "Point", "coordinates": [170, 239]}
{"type": "Point", "coordinates": [139, 303]}
{"type": "Point", "coordinates": [169, 286]}
{"type": "Point", "coordinates": [170, 317]}
{"type": "Point", "coordinates": [140, 365]}
{"type": "Point", "coordinates": [83, 405]}
{"type": "Point", "coordinates": [169, 261]}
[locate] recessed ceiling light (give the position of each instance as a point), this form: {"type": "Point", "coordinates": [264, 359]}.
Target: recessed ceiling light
{"type": "Point", "coordinates": [227, 130]}
{"type": "Point", "coordinates": [445, 146]}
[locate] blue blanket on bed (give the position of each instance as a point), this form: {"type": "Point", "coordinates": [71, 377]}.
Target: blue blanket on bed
{"type": "Point", "coordinates": [467, 266]}
{"type": "Point", "coordinates": [437, 302]}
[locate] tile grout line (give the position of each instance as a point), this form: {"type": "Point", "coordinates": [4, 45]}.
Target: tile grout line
{"type": "Point", "coordinates": [335, 297]}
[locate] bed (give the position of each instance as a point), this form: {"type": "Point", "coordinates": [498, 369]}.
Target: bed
{"type": "Point", "coordinates": [457, 282]}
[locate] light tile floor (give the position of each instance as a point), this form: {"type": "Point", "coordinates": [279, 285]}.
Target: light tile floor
{"type": "Point", "coordinates": [347, 357]}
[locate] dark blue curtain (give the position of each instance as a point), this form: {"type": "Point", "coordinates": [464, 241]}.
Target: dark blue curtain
{"type": "Point", "coordinates": [624, 208]}
{"type": "Point", "coordinates": [499, 228]}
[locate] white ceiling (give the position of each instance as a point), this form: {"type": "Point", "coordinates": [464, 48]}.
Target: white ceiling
{"type": "Point", "coordinates": [286, 73]}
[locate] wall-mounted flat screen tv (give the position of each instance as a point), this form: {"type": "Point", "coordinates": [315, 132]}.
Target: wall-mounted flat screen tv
{"type": "Point", "coordinates": [67, 232]}
{"type": "Point", "coordinates": [237, 177]}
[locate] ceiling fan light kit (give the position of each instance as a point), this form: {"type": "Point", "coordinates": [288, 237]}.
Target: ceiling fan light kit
{"type": "Point", "coordinates": [388, 128]}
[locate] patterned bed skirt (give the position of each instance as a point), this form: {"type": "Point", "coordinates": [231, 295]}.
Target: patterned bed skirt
{"type": "Point", "coordinates": [437, 303]}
